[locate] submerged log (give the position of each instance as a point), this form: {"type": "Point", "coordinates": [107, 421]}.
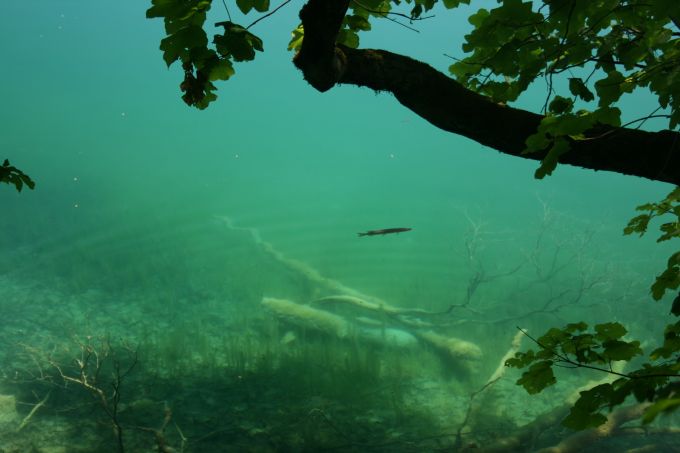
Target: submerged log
{"type": "Point", "coordinates": [307, 317]}
{"type": "Point", "coordinates": [455, 348]}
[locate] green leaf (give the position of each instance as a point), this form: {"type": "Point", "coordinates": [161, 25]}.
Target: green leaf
{"type": "Point", "coordinates": [357, 22]}
{"type": "Point", "coordinates": [579, 419]}
{"type": "Point", "coordinates": [348, 38]}
{"type": "Point", "coordinates": [610, 331]}
{"type": "Point", "coordinates": [637, 224]}
{"type": "Point", "coordinates": [585, 412]}
{"type": "Point", "coordinates": [610, 88]}
{"type": "Point", "coordinates": [671, 343]}
{"type": "Point", "coordinates": [560, 105]}
{"type": "Point", "coordinates": [549, 162]}
{"type": "Point", "coordinates": [521, 359]}
{"type": "Point", "coordinates": [261, 5]}
{"type": "Point", "coordinates": [670, 230]}
{"type": "Point", "coordinates": [538, 377]}
{"type": "Point", "coordinates": [164, 8]}
{"type": "Point", "coordinates": [675, 308]}
{"type": "Point", "coordinates": [537, 142]}
{"type": "Point", "coordinates": [607, 115]}
{"type": "Point", "coordinates": [578, 88]}
{"type": "Point", "coordinates": [668, 279]}
{"type": "Point", "coordinates": [427, 4]}
{"type": "Point", "coordinates": [12, 175]}
{"type": "Point", "coordinates": [222, 70]}
{"type": "Point", "coordinates": [621, 350]}
{"type": "Point", "coordinates": [297, 36]}
{"type": "Point", "coordinates": [477, 19]}
{"type": "Point", "coordinates": [237, 42]}
{"type": "Point", "coordinates": [206, 100]}
{"type": "Point", "coordinates": [191, 11]}
{"type": "Point", "coordinates": [450, 4]}
{"type": "Point", "coordinates": [178, 44]}
{"type": "Point", "coordinates": [26, 179]}
{"type": "Point", "coordinates": [663, 405]}
{"type": "Point", "coordinates": [576, 327]}
{"type": "Point", "coordinates": [246, 5]}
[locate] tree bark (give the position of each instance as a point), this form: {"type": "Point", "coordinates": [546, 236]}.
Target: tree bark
{"type": "Point", "coordinates": [450, 106]}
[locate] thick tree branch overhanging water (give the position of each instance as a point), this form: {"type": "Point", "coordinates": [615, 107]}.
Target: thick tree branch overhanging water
{"type": "Point", "coordinates": [450, 106]}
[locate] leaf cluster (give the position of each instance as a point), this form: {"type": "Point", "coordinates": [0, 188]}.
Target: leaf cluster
{"type": "Point", "coordinates": [12, 175]}
{"type": "Point", "coordinates": [205, 62]}
{"type": "Point", "coordinates": [576, 346]}
{"type": "Point", "coordinates": [669, 209]}
{"type": "Point", "coordinates": [618, 45]}
{"type": "Point", "coordinates": [187, 42]}
{"type": "Point", "coordinates": [361, 12]}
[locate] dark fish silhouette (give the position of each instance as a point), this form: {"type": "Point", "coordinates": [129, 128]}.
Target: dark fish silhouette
{"type": "Point", "coordinates": [384, 231]}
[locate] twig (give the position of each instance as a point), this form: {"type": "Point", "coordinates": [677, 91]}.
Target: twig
{"type": "Point", "coordinates": [495, 377]}
{"type": "Point", "coordinates": [181, 436]}
{"type": "Point", "coordinates": [26, 419]}
{"type": "Point", "coordinates": [89, 367]}
{"type": "Point", "coordinates": [384, 14]}
{"type": "Point", "coordinates": [268, 14]}
{"type": "Point", "coordinates": [227, 8]}
{"type": "Point", "coordinates": [565, 359]}
{"type": "Point", "coordinates": [392, 13]}
{"type": "Point", "coordinates": [480, 276]}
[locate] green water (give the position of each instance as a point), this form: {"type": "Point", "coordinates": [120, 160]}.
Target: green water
{"type": "Point", "coordinates": [123, 249]}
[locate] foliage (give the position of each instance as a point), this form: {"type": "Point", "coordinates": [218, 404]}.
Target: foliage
{"type": "Point", "coordinates": [592, 52]}
{"type": "Point", "coordinates": [578, 347]}
{"type": "Point", "coordinates": [603, 48]}
{"type": "Point", "coordinates": [205, 62]}
{"type": "Point", "coordinates": [669, 279]}
{"type": "Point", "coordinates": [655, 380]}
{"type": "Point", "coordinates": [187, 42]}
{"type": "Point", "coordinates": [12, 175]}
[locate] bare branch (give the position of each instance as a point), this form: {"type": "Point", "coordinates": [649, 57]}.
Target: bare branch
{"type": "Point", "coordinates": [268, 14]}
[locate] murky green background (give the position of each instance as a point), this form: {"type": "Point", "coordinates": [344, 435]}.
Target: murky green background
{"type": "Point", "coordinates": [125, 238]}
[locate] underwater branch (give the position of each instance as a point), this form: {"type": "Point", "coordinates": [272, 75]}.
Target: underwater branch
{"type": "Point", "coordinates": [89, 367]}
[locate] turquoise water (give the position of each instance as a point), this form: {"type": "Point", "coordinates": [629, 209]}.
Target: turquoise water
{"type": "Point", "coordinates": [155, 231]}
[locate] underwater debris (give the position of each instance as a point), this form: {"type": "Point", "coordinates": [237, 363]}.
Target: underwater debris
{"type": "Point", "coordinates": [288, 338]}
{"type": "Point", "coordinates": [495, 377]}
{"type": "Point", "coordinates": [307, 317]}
{"type": "Point", "coordinates": [32, 412]}
{"type": "Point", "coordinates": [455, 348]}
{"type": "Point", "coordinates": [389, 336]}
{"type": "Point", "coordinates": [454, 352]}
{"type": "Point", "coordinates": [371, 304]}
{"type": "Point", "coordinates": [331, 324]}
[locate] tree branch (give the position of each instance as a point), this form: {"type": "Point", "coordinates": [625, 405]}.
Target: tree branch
{"type": "Point", "coordinates": [450, 106]}
{"type": "Point", "coordinates": [320, 61]}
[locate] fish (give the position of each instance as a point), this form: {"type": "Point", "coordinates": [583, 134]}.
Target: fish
{"type": "Point", "coordinates": [384, 231]}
